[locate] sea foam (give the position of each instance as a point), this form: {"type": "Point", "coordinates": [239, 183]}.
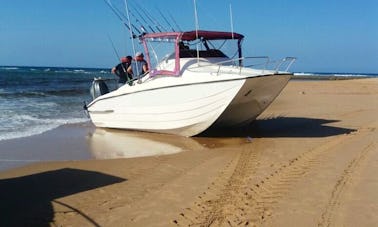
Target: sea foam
{"type": "Point", "coordinates": [33, 126]}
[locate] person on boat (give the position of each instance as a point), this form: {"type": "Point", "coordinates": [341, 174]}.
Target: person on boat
{"type": "Point", "coordinates": [138, 66]}
{"type": "Point", "coordinates": [121, 70]}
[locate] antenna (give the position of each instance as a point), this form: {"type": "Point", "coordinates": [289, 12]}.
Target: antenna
{"type": "Point", "coordinates": [131, 32]}
{"type": "Point", "coordinates": [197, 27]}
{"type": "Point", "coordinates": [232, 23]}
{"type": "Point", "coordinates": [196, 18]}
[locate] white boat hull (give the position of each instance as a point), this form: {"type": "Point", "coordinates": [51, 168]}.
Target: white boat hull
{"type": "Point", "coordinates": [253, 98]}
{"type": "Point", "coordinates": [187, 109]}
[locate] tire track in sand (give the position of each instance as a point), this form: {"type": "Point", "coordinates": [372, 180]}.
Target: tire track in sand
{"type": "Point", "coordinates": [328, 215]}
{"type": "Point", "coordinates": [237, 197]}
{"type": "Point", "coordinates": [215, 205]}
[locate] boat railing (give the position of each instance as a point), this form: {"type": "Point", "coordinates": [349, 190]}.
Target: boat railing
{"type": "Point", "coordinates": [250, 62]}
{"type": "Point", "coordinates": [235, 62]}
{"type": "Point", "coordinates": [281, 65]}
{"type": "Point", "coordinates": [263, 63]}
{"type": "Point", "coordinates": [284, 63]}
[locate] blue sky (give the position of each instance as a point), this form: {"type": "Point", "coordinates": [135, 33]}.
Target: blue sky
{"type": "Point", "coordinates": [325, 35]}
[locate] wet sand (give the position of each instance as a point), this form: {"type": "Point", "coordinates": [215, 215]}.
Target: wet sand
{"type": "Point", "coordinates": [67, 142]}
{"type": "Point", "coordinates": [311, 159]}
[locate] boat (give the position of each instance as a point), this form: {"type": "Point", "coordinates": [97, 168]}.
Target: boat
{"type": "Point", "coordinates": [193, 87]}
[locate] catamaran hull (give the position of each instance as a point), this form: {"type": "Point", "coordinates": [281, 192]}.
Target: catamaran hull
{"type": "Point", "coordinates": [188, 109]}
{"type": "Point", "coordinates": [253, 98]}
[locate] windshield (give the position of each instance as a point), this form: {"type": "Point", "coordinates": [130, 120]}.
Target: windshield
{"type": "Point", "coordinates": [165, 51]}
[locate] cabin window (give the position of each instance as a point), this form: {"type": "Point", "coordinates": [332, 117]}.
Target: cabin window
{"type": "Point", "coordinates": [162, 55]}
{"type": "Point", "coordinates": [164, 52]}
{"type": "Point", "coordinates": [211, 49]}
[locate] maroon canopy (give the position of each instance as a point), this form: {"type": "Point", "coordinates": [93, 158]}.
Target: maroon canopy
{"type": "Point", "coordinates": [192, 35]}
{"type": "Point", "coordinates": [210, 35]}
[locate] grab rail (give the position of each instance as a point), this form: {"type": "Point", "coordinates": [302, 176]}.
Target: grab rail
{"type": "Point", "coordinates": [277, 64]}
{"type": "Point", "coordinates": [262, 57]}
{"type": "Point", "coordinates": [291, 60]}
{"type": "Point", "coordinates": [265, 64]}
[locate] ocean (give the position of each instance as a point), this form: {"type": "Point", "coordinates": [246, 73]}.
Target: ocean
{"type": "Point", "coordinates": [34, 100]}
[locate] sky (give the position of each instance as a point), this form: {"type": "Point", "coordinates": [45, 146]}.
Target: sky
{"type": "Point", "coordinates": [325, 35]}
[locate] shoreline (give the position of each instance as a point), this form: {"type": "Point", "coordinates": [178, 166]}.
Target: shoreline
{"type": "Point", "coordinates": [66, 142]}
{"type": "Point", "coordinates": [310, 159]}
{"type": "Point", "coordinates": [85, 142]}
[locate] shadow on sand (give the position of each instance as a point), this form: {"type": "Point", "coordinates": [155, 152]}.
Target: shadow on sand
{"type": "Point", "coordinates": [27, 200]}
{"type": "Point", "coordinates": [282, 127]}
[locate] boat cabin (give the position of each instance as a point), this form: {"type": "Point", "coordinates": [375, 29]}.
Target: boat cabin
{"type": "Point", "coordinates": [176, 46]}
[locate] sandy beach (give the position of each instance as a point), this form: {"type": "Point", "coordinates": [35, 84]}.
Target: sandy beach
{"type": "Point", "coordinates": [311, 159]}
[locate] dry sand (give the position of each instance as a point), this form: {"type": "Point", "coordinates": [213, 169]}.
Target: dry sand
{"type": "Point", "coordinates": [310, 160]}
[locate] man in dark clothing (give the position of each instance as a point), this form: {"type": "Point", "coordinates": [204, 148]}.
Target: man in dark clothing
{"type": "Point", "coordinates": [121, 70]}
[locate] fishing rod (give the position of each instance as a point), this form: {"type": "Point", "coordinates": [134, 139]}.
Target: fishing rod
{"type": "Point", "coordinates": [157, 24]}
{"type": "Point", "coordinates": [144, 30]}
{"type": "Point", "coordinates": [149, 17]}
{"type": "Point", "coordinates": [165, 19]}
{"type": "Point", "coordinates": [132, 25]}
{"type": "Point", "coordinates": [109, 4]}
{"type": "Point", "coordinates": [140, 16]}
{"type": "Point", "coordinates": [116, 53]}
{"type": "Point", "coordinates": [142, 27]}
{"type": "Point", "coordinates": [114, 49]}
{"type": "Point", "coordinates": [174, 21]}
